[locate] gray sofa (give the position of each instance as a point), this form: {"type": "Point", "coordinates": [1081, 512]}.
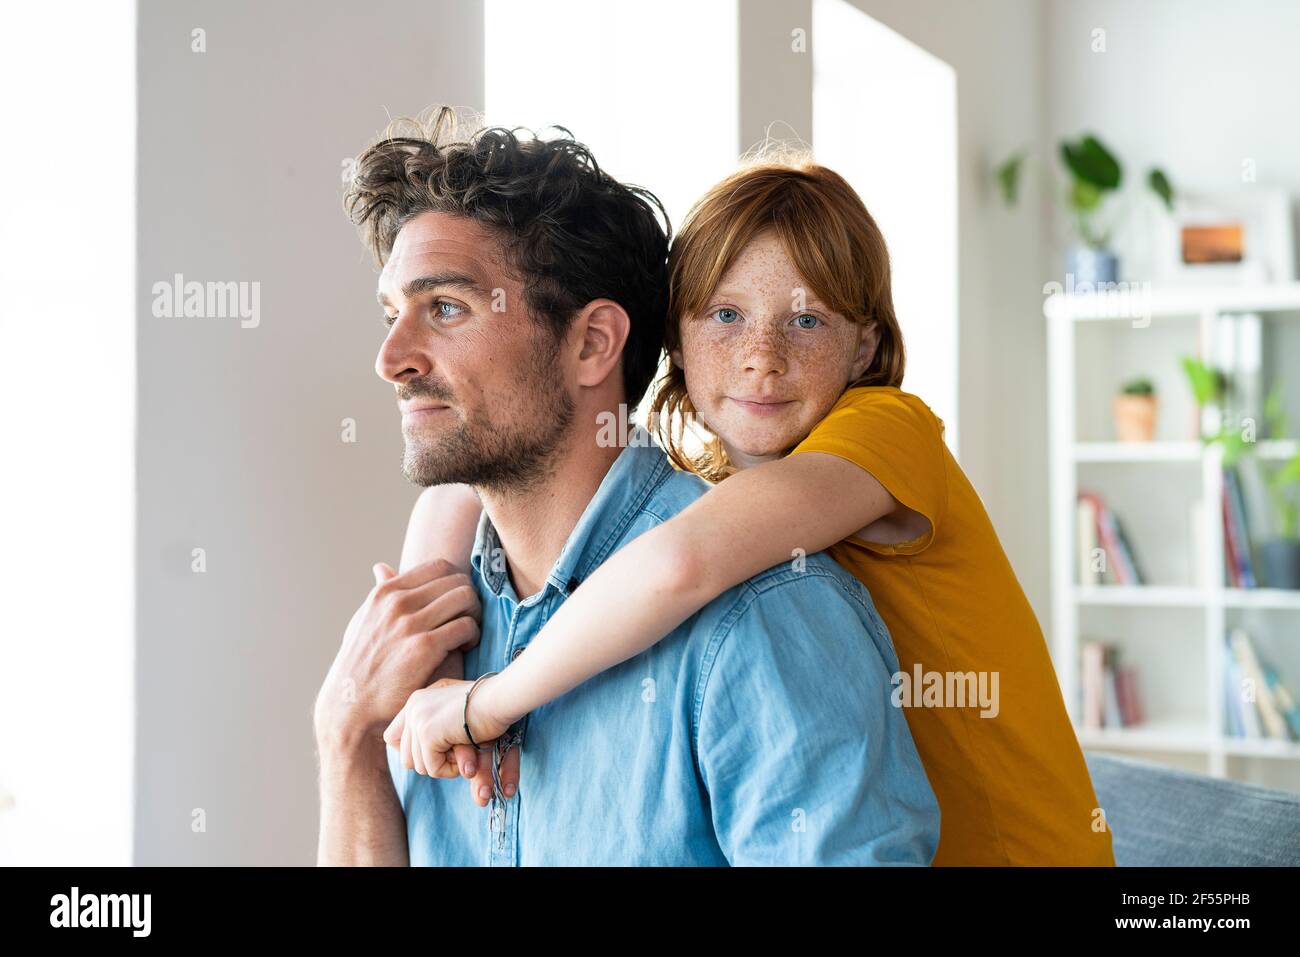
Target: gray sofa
{"type": "Point", "coordinates": [1165, 817]}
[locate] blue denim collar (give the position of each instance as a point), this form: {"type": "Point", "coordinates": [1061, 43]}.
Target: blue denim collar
{"type": "Point", "coordinates": [622, 493]}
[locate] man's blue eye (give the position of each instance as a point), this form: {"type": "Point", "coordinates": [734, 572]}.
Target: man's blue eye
{"type": "Point", "coordinates": [813, 325]}
{"type": "Point", "coordinates": [443, 305]}
{"type": "Point", "coordinates": [726, 315]}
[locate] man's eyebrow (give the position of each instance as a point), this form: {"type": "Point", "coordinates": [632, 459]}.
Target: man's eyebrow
{"type": "Point", "coordinates": [413, 287]}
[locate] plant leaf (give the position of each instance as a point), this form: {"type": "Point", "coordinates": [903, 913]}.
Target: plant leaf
{"type": "Point", "coordinates": [1205, 383]}
{"type": "Point", "coordinates": [1084, 196]}
{"type": "Point", "coordinates": [1234, 446]}
{"type": "Point", "coordinates": [1160, 185]}
{"type": "Point", "coordinates": [1009, 178]}
{"type": "Point", "coordinates": [1090, 161]}
{"type": "Point", "coordinates": [1274, 415]}
{"type": "Point", "coordinates": [1288, 474]}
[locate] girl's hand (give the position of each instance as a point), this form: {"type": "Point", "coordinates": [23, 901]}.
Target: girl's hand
{"type": "Point", "coordinates": [429, 731]}
{"type": "Point", "coordinates": [453, 666]}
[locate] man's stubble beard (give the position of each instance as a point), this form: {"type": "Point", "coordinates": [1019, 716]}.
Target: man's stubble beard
{"type": "Point", "coordinates": [512, 457]}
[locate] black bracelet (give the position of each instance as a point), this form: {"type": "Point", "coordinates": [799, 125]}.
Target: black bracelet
{"type": "Point", "coordinates": [477, 746]}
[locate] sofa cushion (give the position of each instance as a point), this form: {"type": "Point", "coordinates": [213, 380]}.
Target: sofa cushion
{"type": "Point", "coordinates": [1167, 817]}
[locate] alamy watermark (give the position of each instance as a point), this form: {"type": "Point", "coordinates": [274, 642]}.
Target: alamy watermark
{"type": "Point", "coordinates": [1118, 300]}
{"type": "Point", "coordinates": [102, 910]}
{"type": "Point", "coordinates": [179, 299]}
{"type": "Point", "coordinates": [946, 689]}
{"type": "Point", "coordinates": [618, 431]}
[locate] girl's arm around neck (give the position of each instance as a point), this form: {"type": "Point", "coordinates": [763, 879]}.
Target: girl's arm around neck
{"type": "Point", "coordinates": [443, 524]}
{"type": "Point", "coordinates": [749, 522]}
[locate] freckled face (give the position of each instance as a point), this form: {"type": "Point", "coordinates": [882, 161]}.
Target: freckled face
{"type": "Point", "coordinates": [767, 360]}
{"type": "Point", "coordinates": [484, 395]}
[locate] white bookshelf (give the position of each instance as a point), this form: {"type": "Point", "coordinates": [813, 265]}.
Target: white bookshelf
{"type": "Point", "coordinates": [1175, 627]}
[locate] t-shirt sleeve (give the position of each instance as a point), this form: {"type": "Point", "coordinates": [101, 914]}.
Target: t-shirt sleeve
{"type": "Point", "coordinates": [894, 436]}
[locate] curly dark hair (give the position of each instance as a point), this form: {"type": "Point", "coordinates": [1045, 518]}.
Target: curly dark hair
{"type": "Point", "coordinates": [571, 231]}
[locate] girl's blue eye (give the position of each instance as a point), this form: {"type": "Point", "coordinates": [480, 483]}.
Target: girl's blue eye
{"type": "Point", "coordinates": [815, 321]}
{"type": "Point", "coordinates": [724, 313]}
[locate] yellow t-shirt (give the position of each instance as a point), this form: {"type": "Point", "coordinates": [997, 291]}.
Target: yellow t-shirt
{"type": "Point", "coordinates": [1012, 787]}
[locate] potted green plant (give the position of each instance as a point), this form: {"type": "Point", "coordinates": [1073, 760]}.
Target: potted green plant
{"type": "Point", "coordinates": [1134, 410]}
{"type": "Point", "coordinates": [1093, 174]}
{"type": "Point", "coordinates": [1212, 388]}
{"type": "Point", "coordinates": [1280, 556]}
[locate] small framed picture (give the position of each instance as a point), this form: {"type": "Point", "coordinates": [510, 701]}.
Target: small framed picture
{"type": "Point", "coordinates": [1229, 239]}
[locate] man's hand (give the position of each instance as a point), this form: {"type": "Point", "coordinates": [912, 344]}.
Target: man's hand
{"type": "Point", "coordinates": [400, 635]}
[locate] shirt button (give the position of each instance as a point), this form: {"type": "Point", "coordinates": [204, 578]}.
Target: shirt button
{"type": "Point", "coordinates": [573, 584]}
{"type": "Point", "coordinates": [516, 653]}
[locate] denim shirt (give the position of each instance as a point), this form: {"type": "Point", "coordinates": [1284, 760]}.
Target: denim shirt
{"type": "Point", "coordinates": [760, 731]}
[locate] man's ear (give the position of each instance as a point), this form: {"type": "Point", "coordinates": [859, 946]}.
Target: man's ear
{"type": "Point", "coordinates": [868, 342]}
{"type": "Point", "coordinates": [676, 356]}
{"type": "Point", "coordinates": [604, 326]}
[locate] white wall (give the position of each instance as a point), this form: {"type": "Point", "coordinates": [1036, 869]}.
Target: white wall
{"type": "Point", "coordinates": [776, 73]}
{"type": "Point", "coordinates": [67, 388]}
{"type": "Point", "coordinates": [605, 81]}
{"type": "Point", "coordinates": [240, 451]}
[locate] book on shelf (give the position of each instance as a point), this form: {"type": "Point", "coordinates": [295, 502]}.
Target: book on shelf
{"type": "Point", "coordinates": [1237, 550]}
{"type": "Point", "coordinates": [1109, 689]}
{"type": "Point", "coordinates": [1099, 533]}
{"type": "Point", "coordinates": [1258, 703]}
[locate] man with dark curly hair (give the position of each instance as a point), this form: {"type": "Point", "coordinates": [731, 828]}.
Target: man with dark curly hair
{"type": "Point", "coordinates": [525, 293]}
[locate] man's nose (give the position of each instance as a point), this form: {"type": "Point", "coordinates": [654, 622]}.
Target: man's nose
{"type": "Point", "coordinates": [402, 355]}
